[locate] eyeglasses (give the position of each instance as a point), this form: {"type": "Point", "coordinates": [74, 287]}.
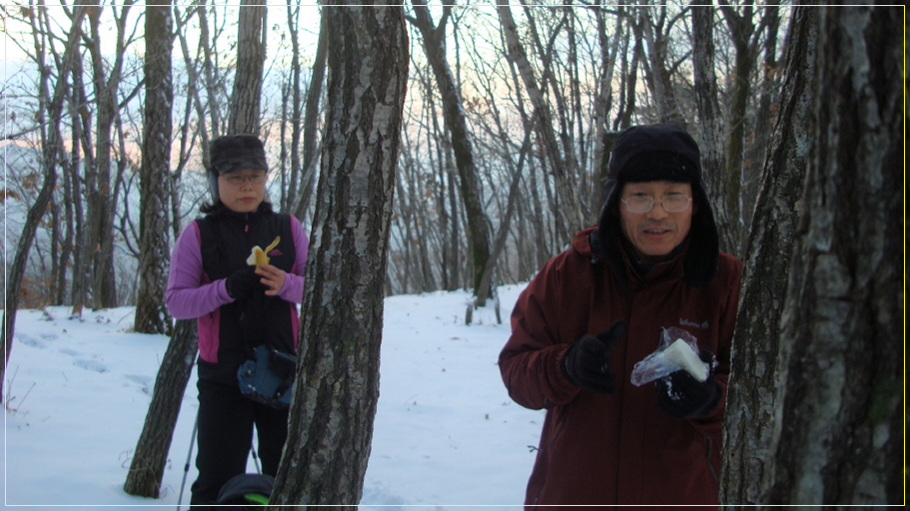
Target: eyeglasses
{"type": "Point", "coordinates": [238, 180]}
{"type": "Point", "coordinates": [672, 203]}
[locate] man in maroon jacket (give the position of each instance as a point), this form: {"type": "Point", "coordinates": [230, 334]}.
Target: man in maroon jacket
{"type": "Point", "coordinates": [596, 309]}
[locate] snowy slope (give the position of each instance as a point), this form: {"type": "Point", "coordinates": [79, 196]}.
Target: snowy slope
{"type": "Point", "coordinates": [446, 432]}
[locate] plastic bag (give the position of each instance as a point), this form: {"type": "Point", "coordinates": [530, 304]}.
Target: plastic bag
{"type": "Point", "coordinates": [656, 365]}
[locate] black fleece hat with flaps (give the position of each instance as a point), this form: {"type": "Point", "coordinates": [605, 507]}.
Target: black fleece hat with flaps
{"type": "Point", "coordinates": [658, 152]}
{"type": "Point", "coordinates": [230, 153]}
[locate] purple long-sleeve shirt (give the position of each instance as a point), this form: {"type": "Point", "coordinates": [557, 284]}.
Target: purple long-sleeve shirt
{"type": "Point", "coordinates": [189, 294]}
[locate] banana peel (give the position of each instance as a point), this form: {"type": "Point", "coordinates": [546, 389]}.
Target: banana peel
{"type": "Point", "coordinates": [258, 256]}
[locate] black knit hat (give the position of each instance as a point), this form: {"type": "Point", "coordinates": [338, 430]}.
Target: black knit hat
{"type": "Point", "coordinates": [230, 153]}
{"type": "Point", "coordinates": [659, 152]}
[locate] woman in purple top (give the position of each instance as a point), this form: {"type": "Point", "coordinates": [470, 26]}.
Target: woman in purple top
{"type": "Point", "coordinates": [238, 307]}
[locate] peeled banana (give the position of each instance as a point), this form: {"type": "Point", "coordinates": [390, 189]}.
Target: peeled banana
{"type": "Point", "coordinates": [258, 256]}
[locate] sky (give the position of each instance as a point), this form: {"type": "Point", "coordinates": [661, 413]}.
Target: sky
{"type": "Point", "coordinates": [446, 433]}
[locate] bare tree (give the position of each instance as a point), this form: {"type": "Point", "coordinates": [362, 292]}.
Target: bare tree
{"type": "Point", "coordinates": [562, 162]}
{"type": "Point", "coordinates": [97, 144]}
{"type": "Point", "coordinates": [151, 314]}
{"type": "Point", "coordinates": [337, 385]}
{"type": "Point", "coordinates": [52, 106]}
{"type": "Point", "coordinates": [247, 94]}
{"type": "Point", "coordinates": [653, 26]}
{"type": "Point", "coordinates": [456, 125]}
{"type": "Point", "coordinates": [829, 407]}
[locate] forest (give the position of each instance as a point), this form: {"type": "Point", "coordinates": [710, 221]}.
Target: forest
{"type": "Point", "coordinates": [535, 92]}
{"type": "Point", "coordinates": [505, 131]}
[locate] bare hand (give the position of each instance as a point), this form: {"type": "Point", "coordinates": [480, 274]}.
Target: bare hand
{"type": "Point", "coordinates": [272, 278]}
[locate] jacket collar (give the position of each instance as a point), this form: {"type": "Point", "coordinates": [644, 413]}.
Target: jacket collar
{"type": "Point", "coordinates": [621, 259]}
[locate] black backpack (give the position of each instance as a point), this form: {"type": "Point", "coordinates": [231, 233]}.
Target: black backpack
{"type": "Point", "coordinates": [246, 489]}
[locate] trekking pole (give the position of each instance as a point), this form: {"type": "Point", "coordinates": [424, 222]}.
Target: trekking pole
{"type": "Point", "coordinates": [189, 456]}
{"type": "Point", "coordinates": [255, 458]}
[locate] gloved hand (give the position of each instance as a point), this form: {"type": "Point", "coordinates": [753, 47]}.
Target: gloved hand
{"type": "Point", "coordinates": [585, 362]}
{"type": "Point", "coordinates": [242, 283]}
{"type": "Point", "coordinates": [681, 396]}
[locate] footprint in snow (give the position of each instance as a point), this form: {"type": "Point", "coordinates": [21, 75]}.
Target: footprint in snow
{"type": "Point", "coordinates": [30, 341]}
{"type": "Point", "coordinates": [91, 365]}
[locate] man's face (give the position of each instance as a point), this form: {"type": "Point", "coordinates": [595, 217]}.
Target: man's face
{"type": "Point", "coordinates": [655, 233]}
{"type": "Point", "coordinates": [242, 191]}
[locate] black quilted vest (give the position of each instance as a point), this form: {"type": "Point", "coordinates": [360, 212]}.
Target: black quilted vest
{"type": "Point", "coordinates": [227, 238]}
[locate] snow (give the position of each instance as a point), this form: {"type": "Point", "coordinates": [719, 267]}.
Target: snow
{"type": "Point", "coordinates": [446, 432]}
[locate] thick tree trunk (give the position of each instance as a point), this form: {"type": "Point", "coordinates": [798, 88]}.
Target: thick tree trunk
{"type": "Point", "coordinates": [833, 435]}
{"type": "Point", "coordinates": [150, 458]}
{"type": "Point", "coordinates": [151, 314]}
{"type": "Point", "coordinates": [754, 391]}
{"type": "Point", "coordinates": [711, 138]}
{"type": "Point", "coordinates": [337, 386]}
{"type": "Point", "coordinates": [247, 93]}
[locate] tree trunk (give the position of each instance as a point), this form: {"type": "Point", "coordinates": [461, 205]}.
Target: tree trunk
{"type": "Point", "coordinates": [754, 392]}
{"type": "Point", "coordinates": [765, 115]}
{"type": "Point", "coordinates": [453, 111]}
{"type": "Point", "coordinates": [106, 78]}
{"type": "Point", "coordinates": [311, 125]}
{"type": "Point", "coordinates": [658, 68]}
{"type": "Point", "coordinates": [337, 385]}
{"type": "Point", "coordinates": [834, 433]}
{"type": "Point", "coordinates": [741, 31]}
{"type": "Point", "coordinates": [569, 215]}
{"type": "Point", "coordinates": [711, 139]}
{"type": "Point", "coordinates": [151, 314]}
{"type": "Point", "coordinates": [150, 458]}
{"type": "Point", "coordinates": [246, 97]}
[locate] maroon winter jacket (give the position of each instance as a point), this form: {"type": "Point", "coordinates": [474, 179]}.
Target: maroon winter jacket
{"type": "Point", "coordinates": [617, 448]}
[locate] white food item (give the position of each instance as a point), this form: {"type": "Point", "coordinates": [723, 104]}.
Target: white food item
{"type": "Point", "coordinates": [685, 357]}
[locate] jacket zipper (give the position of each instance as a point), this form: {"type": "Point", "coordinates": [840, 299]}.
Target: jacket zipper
{"type": "Point", "coordinates": [710, 464]}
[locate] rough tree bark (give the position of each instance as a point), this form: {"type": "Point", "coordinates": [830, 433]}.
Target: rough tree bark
{"type": "Point", "coordinates": [754, 388]}
{"type": "Point", "coordinates": [154, 174]}
{"type": "Point", "coordinates": [337, 386]}
{"type": "Point", "coordinates": [834, 432]}
{"type": "Point", "coordinates": [247, 93]}
{"type": "Point", "coordinates": [711, 138]}
{"type": "Point", "coordinates": [150, 458]}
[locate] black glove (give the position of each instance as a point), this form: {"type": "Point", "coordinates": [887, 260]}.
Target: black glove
{"type": "Point", "coordinates": [681, 396]}
{"type": "Point", "coordinates": [242, 283]}
{"type": "Point", "coordinates": [585, 362]}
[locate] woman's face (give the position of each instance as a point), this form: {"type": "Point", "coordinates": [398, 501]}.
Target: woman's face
{"type": "Point", "coordinates": [242, 191]}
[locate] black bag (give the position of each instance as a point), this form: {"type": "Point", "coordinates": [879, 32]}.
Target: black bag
{"type": "Point", "coordinates": [269, 377]}
{"type": "Point", "coordinates": [246, 489]}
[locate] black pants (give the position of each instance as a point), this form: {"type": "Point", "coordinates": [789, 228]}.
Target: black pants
{"type": "Point", "coordinates": [226, 420]}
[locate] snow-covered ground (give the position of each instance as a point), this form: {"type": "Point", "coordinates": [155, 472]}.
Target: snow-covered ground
{"type": "Point", "coordinates": [446, 432]}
